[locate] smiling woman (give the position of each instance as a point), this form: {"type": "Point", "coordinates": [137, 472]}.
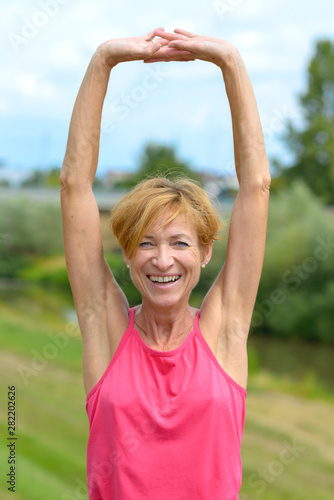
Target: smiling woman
{"type": "Point", "coordinates": [165, 383]}
{"type": "Point", "coordinates": [166, 268]}
{"type": "Point", "coordinates": [145, 204]}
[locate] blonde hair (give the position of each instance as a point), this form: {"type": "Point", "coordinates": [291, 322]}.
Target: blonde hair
{"type": "Point", "coordinates": [150, 199]}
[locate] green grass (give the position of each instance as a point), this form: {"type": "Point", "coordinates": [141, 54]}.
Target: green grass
{"type": "Point", "coordinates": [275, 423]}
{"type": "Point", "coordinates": [52, 426]}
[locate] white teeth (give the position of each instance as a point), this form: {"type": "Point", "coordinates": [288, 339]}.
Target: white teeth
{"type": "Point", "coordinates": [164, 279]}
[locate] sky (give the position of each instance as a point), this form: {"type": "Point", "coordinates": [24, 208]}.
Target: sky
{"type": "Point", "coordinates": [46, 46]}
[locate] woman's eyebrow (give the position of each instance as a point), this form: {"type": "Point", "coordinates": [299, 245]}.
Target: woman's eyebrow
{"type": "Point", "coordinates": [181, 235]}
{"type": "Point", "coordinates": [173, 236]}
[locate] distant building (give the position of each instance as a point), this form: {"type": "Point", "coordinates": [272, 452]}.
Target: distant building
{"type": "Point", "coordinates": [112, 177]}
{"type": "Point", "coordinates": [220, 185]}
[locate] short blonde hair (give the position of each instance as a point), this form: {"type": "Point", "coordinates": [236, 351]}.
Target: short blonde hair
{"type": "Point", "coordinates": [150, 199]}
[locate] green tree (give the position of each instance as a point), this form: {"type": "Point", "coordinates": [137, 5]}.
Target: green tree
{"type": "Point", "coordinates": [158, 159]}
{"type": "Point", "coordinates": [296, 293]}
{"type": "Point", "coordinates": [35, 179]}
{"type": "Point", "coordinates": [52, 178]}
{"type": "Point", "coordinates": [27, 230]}
{"type": "Point", "coordinates": [41, 178]}
{"type": "Point", "coordinates": [312, 144]}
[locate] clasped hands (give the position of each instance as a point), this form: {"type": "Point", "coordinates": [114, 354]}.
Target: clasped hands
{"type": "Point", "coordinates": [159, 45]}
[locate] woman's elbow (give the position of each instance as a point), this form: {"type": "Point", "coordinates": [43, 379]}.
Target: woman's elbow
{"type": "Point", "coordinates": [266, 181]}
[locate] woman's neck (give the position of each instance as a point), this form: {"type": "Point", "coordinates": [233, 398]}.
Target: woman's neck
{"type": "Point", "coordinates": [164, 329]}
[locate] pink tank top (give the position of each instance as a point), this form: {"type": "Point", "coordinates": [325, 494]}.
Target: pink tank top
{"type": "Point", "coordinates": [164, 425]}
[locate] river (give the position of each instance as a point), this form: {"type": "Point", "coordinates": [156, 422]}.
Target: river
{"type": "Point", "coordinates": [295, 358]}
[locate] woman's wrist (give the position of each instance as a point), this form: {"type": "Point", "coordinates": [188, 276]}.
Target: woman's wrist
{"type": "Point", "coordinates": [230, 59]}
{"type": "Point", "coordinates": [103, 59]}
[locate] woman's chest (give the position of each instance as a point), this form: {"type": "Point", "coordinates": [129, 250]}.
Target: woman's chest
{"type": "Point", "coordinates": [188, 382]}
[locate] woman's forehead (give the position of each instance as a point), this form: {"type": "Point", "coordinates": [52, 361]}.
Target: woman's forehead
{"type": "Point", "coordinates": [178, 226]}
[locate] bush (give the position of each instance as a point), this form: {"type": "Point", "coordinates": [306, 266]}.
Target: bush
{"type": "Point", "coordinates": [27, 230]}
{"type": "Point", "coordinates": [295, 296]}
{"type": "Point", "coordinates": [296, 292]}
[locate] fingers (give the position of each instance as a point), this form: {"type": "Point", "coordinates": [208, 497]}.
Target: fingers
{"type": "Point", "coordinates": [156, 48]}
{"type": "Point", "coordinates": [175, 46]}
{"type": "Point", "coordinates": [148, 61]}
{"type": "Point", "coordinates": [161, 41]}
{"type": "Point", "coordinates": [185, 46]}
{"type": "Point", "coordinates": [171, 55]}
{"type": "Point", "coordinates": [168, 54]}
{"type": "Point", "coordinates": [151, 34]}
{"type": "Point", "coordinates": [159, 32]}
{"type": "Point", "coordinates": [169, 36]}
{"type": "Point", "coordinates": [178, 44]}
{"type": "Point", "coordinates": [185, 33]}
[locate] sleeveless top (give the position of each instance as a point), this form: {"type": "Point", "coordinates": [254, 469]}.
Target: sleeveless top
{"type": "Point", "coordinates": [164, 425]}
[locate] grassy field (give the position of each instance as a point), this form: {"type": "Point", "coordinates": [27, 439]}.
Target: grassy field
{"type": "Point", "coordinates": [288, 444]}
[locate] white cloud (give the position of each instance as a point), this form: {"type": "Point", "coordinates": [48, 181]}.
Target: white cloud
{"type": "Point", "coordinates": [65, 55]}
{"type": "Point", "coordinates": [38, 84]}
{"type": "Point", "coordinates": [238, 9]}
{"type": "Point", "coordinates": [248, 40]}
{"type": "Point", "coordinates": [4, 106]}
{"type": "Point", "coordinates": [26, 85]}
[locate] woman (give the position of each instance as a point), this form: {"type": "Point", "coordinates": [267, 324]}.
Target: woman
{"type": "Point", "coordinates": [165, 384]}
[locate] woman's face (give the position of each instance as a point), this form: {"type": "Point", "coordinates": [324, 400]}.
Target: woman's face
{"type": "Point", "coordinates": [167, 264]}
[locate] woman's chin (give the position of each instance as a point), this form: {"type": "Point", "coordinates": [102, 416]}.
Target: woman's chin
{"type": "Point", "coordinates": [165, 301]}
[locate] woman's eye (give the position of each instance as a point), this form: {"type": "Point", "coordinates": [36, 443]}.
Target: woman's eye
{"type": "Point", "coordinates": [181, 244]}
{"type": "Point", "coordinates": [145, 244]}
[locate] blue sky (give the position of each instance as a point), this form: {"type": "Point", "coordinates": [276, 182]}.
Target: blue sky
{"type": "Point", "coordinates": [46, 46]}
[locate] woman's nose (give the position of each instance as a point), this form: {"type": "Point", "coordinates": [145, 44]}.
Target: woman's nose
{"type": "Point", "coordinates": [163, 258]}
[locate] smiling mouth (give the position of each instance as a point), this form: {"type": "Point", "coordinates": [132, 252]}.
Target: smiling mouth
{"type": "Point", "coordinates": [164, 279]}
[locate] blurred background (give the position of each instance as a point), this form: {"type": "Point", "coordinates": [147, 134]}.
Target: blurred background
{"type": "Point", "coordinates": [169, 118]}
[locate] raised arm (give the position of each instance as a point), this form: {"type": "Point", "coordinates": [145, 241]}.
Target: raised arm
{"type": "Point", "coordinates": [101, 306]}
{"type": "Point", "coordinates": [239, 280]}
{"type": "Point", "coordinates": [227, 309]}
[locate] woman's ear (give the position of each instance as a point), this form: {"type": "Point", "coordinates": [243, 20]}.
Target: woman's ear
{"type": "Point", "coordinates": [207, 254]}
{"type": "Point", "coordinates": [209, 251]}
{"type": "Point", "coordinates": [126, 260]}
